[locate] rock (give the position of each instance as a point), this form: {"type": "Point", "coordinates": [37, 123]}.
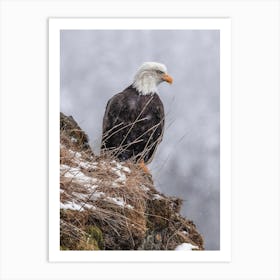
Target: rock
{"type": "Point", "coordinates": [112, 205]}
{"type": "Point", "coordinates": [72, 135]}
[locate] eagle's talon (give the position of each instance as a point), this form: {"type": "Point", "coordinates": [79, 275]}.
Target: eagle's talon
{"type": "Point", "coordinates": [144, 167]}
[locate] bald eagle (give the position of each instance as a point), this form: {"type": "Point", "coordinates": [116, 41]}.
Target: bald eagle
{"type": "Point", "coordinates": [133, 122]}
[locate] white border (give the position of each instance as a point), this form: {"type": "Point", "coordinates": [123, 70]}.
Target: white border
{"type": "Point", "coordinates": [224, 25]}
{"type": "Point", "coordinates": [255, 139]}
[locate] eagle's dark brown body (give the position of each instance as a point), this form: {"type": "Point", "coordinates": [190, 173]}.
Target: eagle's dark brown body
{"type": "Point", "coordinates": [133, 125]}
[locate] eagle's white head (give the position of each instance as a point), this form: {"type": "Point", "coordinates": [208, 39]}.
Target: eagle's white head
{"type": "Point", "coordinates": [149, 76]}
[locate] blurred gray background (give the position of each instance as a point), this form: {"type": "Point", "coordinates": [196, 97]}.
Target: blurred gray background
{"type": "Point", "coordinates": [96, 64]}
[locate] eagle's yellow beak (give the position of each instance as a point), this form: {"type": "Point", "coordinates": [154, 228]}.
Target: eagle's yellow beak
{"type": "Point", "coordinates": [167, 78]}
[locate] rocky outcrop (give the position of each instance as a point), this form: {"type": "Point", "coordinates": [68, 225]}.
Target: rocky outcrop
{"type": "Point", "coordinates": [110, 205]}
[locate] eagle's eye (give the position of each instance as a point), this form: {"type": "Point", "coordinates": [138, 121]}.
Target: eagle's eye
{"type": "Point", "coordinates": [159, 72]}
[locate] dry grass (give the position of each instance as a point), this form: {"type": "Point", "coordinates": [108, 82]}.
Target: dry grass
{"type": "Point", "coordinates": [115, 152]}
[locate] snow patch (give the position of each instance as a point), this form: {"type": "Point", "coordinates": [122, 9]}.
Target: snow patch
{"type": "Point", "coordinates": [75, 154]}
{"type": "Point", "coordinates": [119, 170]}
{"type": "Point", "coordinates": [144, 188]}
{"type": "Point", "coordinates": [64, 167]}
{"type": "Point", "coordinates": [119, 201]}
{"type": "Point", "coordinates": [120, 166]}
{"type": "Point", "coordinates": [96, 195]}
{"type": "Point", "coordinates": [90, 187]}
{"type": "Point", "coordinates": [115, 185]}
{"type": "Point", "coordinates": [76, 174]}
{"type": "Point", "coordinates": [157, 197]}
{"type": "Point", "coordinates": [129, 206]}
{"type": "Point", "coordinates": [126, 169]}
{"type": "Point", "coordinates": [116, 200]}
{"type": "Point", "coordinates": [88, 165]}
{"type": "Point", "coordinates": [75, 206]}
{"type": "Point", "coordinates": [121, 175]}
{"type": "Point", "coordinates": [185, 247]}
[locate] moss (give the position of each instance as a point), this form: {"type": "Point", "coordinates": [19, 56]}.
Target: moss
{"type": "Point", "coordinates": [87, 244]}
{"type": "Point", "coordinates": [95, 235]}
{"type": "Point", "coordinates": [79, 241]}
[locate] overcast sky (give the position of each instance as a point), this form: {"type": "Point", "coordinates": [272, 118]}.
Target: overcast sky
{"type": "Point", "coordinates": [96, 64]}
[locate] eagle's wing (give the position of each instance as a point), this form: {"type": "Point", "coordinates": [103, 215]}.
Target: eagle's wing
{"type": "Point", "coordinates": [112, 112]}
{"type": "Point", "coordinates": [111, 120]}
